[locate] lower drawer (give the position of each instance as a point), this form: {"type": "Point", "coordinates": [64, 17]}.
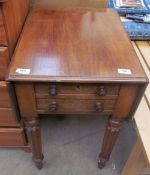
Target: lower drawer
{"type": "Point", "coordinates": [5, 100]}
{"type": "Point", "coordinates": [59, 106]}
{"type": "Point", "coordinates": [7, 112]}
{"type": "Point", "coordinates": [12, 137]}
{"type": "Point", "coordinates": [4, 62]}
{"type": "Point", "coordinates": [7, 117]}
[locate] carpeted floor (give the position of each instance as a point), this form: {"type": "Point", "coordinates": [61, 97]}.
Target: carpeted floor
{"type": "Point", "coordinates": [71, 147]}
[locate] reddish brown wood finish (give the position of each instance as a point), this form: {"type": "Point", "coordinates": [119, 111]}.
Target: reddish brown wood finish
{"type": "Point", "coordinates": [34, 136]}
{"type": "Point", "coordinates": [7, 118]}
{"type": "Point", "coordinates": [80, 91]}
{"type": "Point", "coordinates": [7, 112]}
{"type": "Point", "coordinates": [4, 61]}
{"type": "Point", "coordinates": [127, 96]}
{"type": "Point", "coordinates": [14, 13]}
{"type": "Point", "coordinates": [66, 106]}
{"type": "Point", "coordinates": [74, 3]}
{"type": "Point", "coordinates": [12, 136]}
{"type": "Point", "coordinates": [5, 101]}
{"type": "Point", "coordinates": [3, 40]}
{"type": "Point", "coordinates": [72, 51]}
{"type": "Point", "coordinates": [26, 99]}
{"type": "Point", "coordinates": [70, 54]}
{"type": "Point", "coordinates": [12, 18]}
{"type": "Point", "coordinates": [112, 130]}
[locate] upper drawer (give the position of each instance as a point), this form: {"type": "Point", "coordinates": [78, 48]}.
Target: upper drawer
{"type": "Point", "coordinates": [5, 101]}
{"type": "Point", "coordinates": [4, 62]}
{"type": "Point", "coordinates": [82, 91]}
{"type": "Point", "coordinates": [3, 41]}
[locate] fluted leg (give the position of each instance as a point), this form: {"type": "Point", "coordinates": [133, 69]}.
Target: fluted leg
{"type": "Point", "coordinates": [110, 137]}
{"type": "Point", "coordinates": [34, 137]}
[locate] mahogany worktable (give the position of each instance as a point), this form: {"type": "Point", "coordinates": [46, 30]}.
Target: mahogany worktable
{"type": "Point", "coordinates": [76, 61]}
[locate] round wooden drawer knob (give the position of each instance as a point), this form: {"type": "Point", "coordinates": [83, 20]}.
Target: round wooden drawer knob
{"type": "Point", "coordinates": [53, 107]}
{"type": "Point", "coordinates": [102, 91]}
{"type": "Point", "coordinates": [53, 90]}
{"type": "Point", "coordinates": [99, 107]}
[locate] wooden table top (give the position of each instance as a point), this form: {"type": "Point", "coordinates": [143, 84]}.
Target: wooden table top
{"type": "Point", "coordinates": [75, 45]}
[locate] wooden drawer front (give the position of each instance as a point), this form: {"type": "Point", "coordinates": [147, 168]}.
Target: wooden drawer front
{"type": "Point", "coordinates": [7, 117]}
{"type": "Point", "coordinates": [81, 91]}
{"type": "Point", "coordinates": [4, 62]}
{"type": "Point", "coordinates": [49, 106]}
{"type": "Point", "coordinates": [3, 41]}
{"type": "Point", "coordinates": [5, 101]}
{"type": "Point", "coordinates": [12, 137]}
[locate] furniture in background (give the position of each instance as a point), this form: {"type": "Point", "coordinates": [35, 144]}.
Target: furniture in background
{"type": "Point", "coordinates": [12, 17]}
{"type": "Point", "coordinates": [138, 27]}
{"type": "Point", "coordinates": [85, 65]}
{"type": "Point", "coordinates": [138, 162]}
{"type": "Point", "coordinates": [73, 3]}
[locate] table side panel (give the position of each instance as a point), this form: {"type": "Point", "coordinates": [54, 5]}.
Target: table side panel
{"type": "Point", "coordinates": [128, 100]}
{"type": "Point", "coordinates": [26, 99]}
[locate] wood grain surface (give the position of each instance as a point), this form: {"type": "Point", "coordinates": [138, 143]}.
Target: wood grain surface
{"type": "Point", "coordinates": [65, 106]}
{"type": "Point", "coordinates": [7, 118]}
{"type": "Point", "coordinates": [4, 62]}
{"type": "Point", "coordinates": [12, 136]}
{"type": "Point", "coordinates": [73, 3]}
{"type": "Point", "coordinates": [73, 45]}
{"type": "Point", "coordinates": [76, 91]}
{"type": "Point", "coordinates": [3, 40]}
{"type": "Point", "coordinates": [14, 13]}
{"type": "Point", "coordinates": [12, 18]}
{"type": "Point", "coordinates": [7, 113]}
{"type": "Point", "coordinates": [5, 101]}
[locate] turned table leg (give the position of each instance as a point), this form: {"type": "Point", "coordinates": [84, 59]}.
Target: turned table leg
{"type": "Point", "coordinates": [34, 137]}
{"type": "Point", "coordinates": [110, 137]}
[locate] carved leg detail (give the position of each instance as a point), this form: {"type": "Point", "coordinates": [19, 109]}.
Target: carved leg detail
{"type": "Point", "coordinates": [111, 134]}
{"type": "Point", "coordinates": [34, 137]}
